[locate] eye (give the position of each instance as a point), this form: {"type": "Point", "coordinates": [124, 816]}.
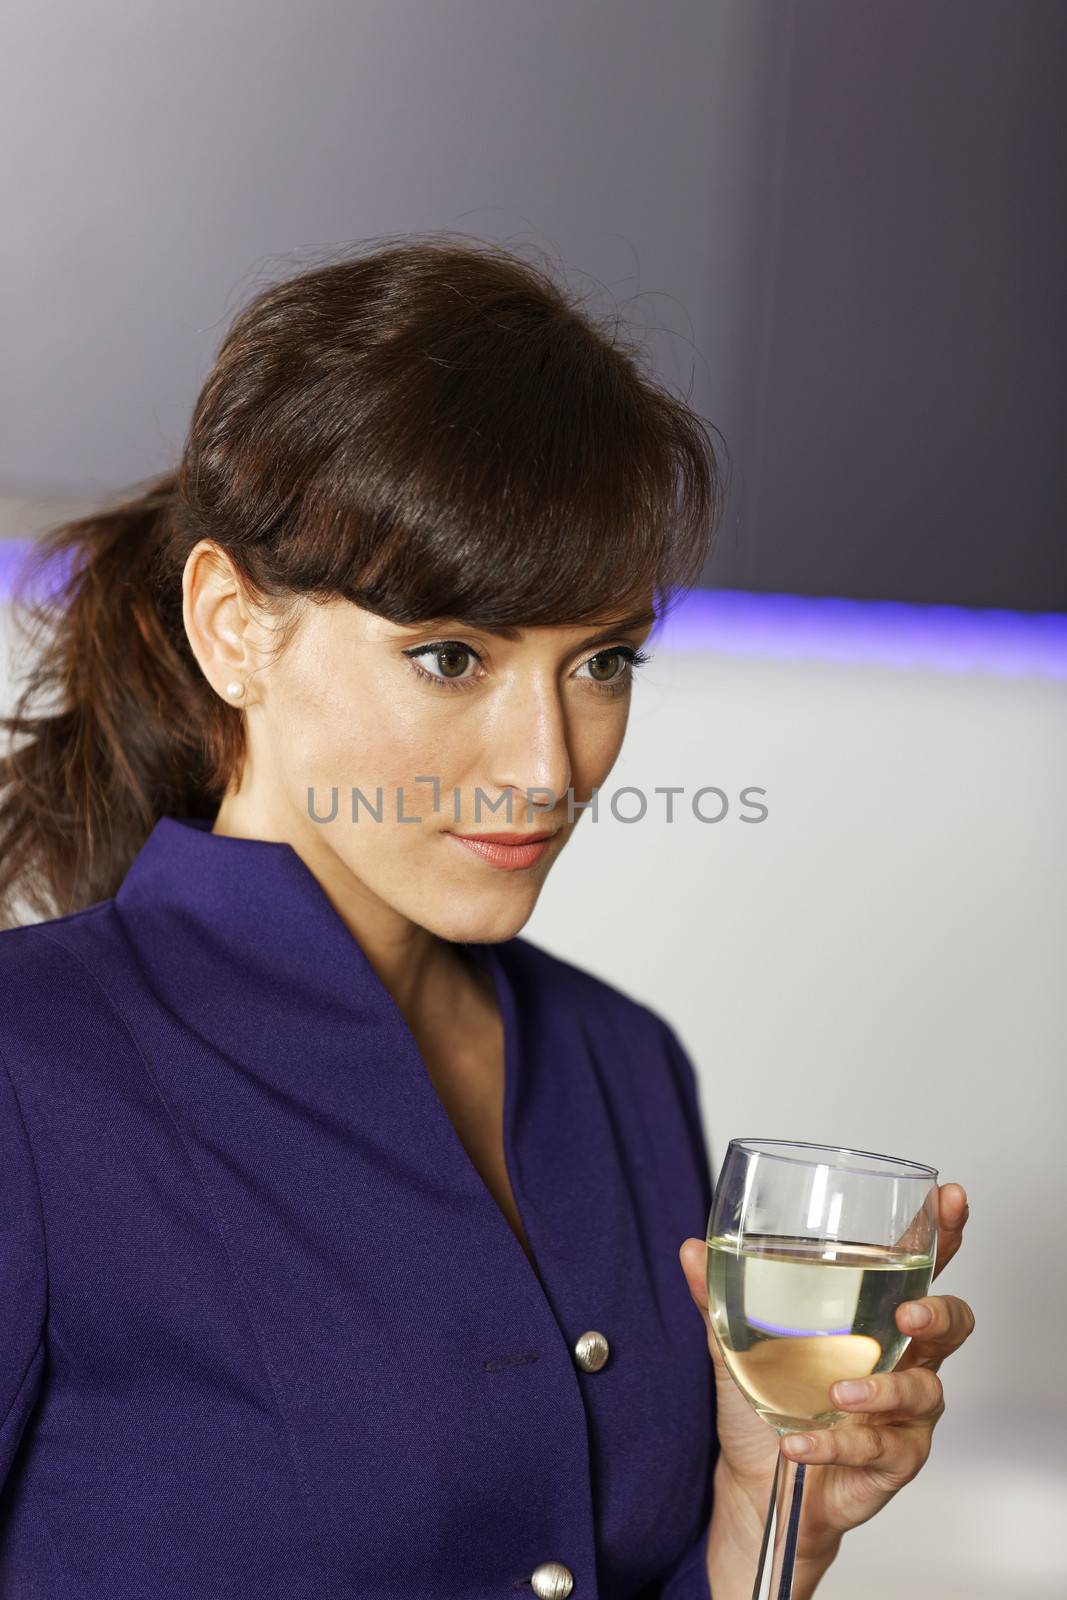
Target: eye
{"type": "Point", "coordinates": [611, 670]}
{"type": "Point", "coordinates": [451, 655]}
{"type": "Point", "coordinates": [608, 676]}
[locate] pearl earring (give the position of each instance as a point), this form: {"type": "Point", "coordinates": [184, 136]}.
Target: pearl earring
{"type": "Point", "coordinates": [235, 688]}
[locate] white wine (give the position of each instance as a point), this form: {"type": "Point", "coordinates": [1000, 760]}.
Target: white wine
{"type": "Point", "coordinates": [794, 1315]}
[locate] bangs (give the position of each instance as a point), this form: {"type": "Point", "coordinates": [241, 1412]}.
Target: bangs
{"type": "Point", "coordinates": [499, 459]}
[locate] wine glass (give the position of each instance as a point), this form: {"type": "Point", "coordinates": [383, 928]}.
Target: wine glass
{"type": "Point", "coordinates": [811, 1249]}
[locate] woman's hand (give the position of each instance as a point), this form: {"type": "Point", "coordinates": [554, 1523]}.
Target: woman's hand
{"type": "Point", "coordinates": [861, 1463]}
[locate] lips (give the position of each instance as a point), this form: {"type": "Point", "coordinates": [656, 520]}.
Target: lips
{"type": "Point", "coordinates": [508, 850]}
{"type": "Point", "coordinates": [507, 838]}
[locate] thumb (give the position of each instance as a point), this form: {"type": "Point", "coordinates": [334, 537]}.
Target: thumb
{"type": "Point", "coordinates": [693, 1256]}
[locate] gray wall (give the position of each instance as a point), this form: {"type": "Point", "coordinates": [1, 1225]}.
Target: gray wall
{"type": "Point", "coordinates": [840, 220]}
{"type": "Point", "coordinates": [905, 436]}
{"type": "Point", "coordinates": [166, 156]}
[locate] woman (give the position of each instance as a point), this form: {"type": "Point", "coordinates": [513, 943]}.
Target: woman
{"type": "Point", "coordinates": [351, 1240]}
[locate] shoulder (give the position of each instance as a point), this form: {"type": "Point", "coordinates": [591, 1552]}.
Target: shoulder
{"type": "Point", "coordinates": [54, 945]}
{"type": "Point", "coordinates": [53, 976]}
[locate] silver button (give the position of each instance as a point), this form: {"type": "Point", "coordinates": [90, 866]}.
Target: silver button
{"type": "Point", "coordinates": [552, 1581]}
{"type": "Point", "coordinates": [592, 1351]}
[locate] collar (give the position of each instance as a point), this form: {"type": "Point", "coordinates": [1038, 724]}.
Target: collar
{"type": "Point", "coordinates": [242, 947]}
{"type": "Point", "coordinates": [212, 912]}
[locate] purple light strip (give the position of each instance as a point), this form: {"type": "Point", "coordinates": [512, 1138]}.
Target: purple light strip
{"type": "Point", "coordinates": [800, 1333]}
{"type": "Point", "coordinates": [12, 553]}
{"type": "Point", "coordinates": [787, 627]}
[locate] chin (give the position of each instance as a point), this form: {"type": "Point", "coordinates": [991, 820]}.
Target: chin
{"type": "Point", "coordinates": [481, 924]}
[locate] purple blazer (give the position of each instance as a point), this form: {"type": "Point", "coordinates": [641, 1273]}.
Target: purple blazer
{"type": "Point", "coordinates": [264, 1331]}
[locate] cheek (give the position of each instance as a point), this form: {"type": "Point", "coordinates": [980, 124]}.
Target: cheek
{"type": "Point", "coordinates": [595, 746]}
{"type": "Point", "coordinates": [358, 731]}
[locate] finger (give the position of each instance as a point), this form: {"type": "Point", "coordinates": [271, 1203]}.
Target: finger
{"type": "Point", "coordinates": [914, 1393]}
{"type": "Point", "coordinates": [938, 1325]}
{"type": "Point", "coordinates": [897, 1452]}
{"type": "Point", "coordinates": [953, 1210]}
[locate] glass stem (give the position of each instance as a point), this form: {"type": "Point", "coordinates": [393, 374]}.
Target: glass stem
{"type": "Point", "coordinates": [773, 1543]}
{"type": "Point", "coordinates": [768, 1528]}
{"type": "Point", "coordinates": [789, 1554]}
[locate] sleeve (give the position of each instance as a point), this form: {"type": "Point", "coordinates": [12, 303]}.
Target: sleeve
{"type": "Point", "coordinates": [23, 1277]}
{"type": "Point", "coordinates": [687, 1577]}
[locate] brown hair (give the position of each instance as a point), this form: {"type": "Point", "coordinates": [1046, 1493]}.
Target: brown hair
{"type": "Point", "coordinates": [431, 428]}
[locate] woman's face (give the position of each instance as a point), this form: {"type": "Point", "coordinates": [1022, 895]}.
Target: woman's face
{"type": "Point", "coordinates": [429, 715]}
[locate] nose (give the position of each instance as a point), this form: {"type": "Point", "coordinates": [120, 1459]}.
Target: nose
{"type": "Point", "coordinates": [528, 750]}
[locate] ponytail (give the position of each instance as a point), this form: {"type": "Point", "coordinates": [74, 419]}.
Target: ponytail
{"type": "Point", "coordinates": [108, 730]}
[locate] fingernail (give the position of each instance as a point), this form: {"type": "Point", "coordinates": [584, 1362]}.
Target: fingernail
{"type": "Point", "coordinates": [852, 1389]}
{"type": "Point", "coordinates": [798, 1444]}
{"type": "Point", "coordinates": [917, 1316]}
